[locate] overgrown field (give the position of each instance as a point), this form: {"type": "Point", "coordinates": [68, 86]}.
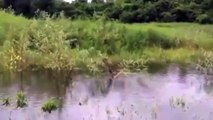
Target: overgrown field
{"type": "Point", "coordinates": [62, 44]}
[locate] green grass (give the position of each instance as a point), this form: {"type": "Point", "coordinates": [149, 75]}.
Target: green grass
{"type": "Point", "coordinates": [21, 100]}
{"type": "Point", "coordinates": [188, 32]}
{"type": "Point", "coordinates": [50, 105]}
{"type": "Point", "coordinates": [45, 43]}
{"type": "Point", "coordinates": [9, 21]}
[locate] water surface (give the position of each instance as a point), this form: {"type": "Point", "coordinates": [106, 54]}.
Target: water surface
{"type": "Point", "coordinates": [171, 93]}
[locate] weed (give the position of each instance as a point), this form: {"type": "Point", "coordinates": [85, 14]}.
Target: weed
{"type": "Point", "coordinates": [50, 105]}
{"type": "Point", "coordinates": [21, 100]}
{"type": "Point", "coordinates": [205, 63]}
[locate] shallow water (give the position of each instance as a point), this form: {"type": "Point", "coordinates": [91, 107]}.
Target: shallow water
{"type": "Point", "coordinates": [172, 93]}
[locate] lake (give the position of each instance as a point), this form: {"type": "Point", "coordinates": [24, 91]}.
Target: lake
{"type": "Point", "coordinates": [170, 93]}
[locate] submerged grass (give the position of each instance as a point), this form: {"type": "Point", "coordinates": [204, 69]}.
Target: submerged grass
{"type": "Point", "coordinates": [62, 44]}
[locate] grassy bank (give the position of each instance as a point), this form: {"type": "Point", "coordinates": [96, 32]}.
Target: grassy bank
{"type": "Point", "coordinates": [63, 44]}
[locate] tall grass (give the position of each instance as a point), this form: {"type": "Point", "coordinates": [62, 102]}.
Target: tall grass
{"type": "Point", "coordinates": [62, 44]}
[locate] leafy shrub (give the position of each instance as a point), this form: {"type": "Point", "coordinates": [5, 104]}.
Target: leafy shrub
{"type": "Point", "coordinates": [204, 19]}
{"type": "Point", "coordinates": [167, 17]}
{"type": "Point", "coordinates": [183, 14]}
{"type": "Point", "coordinates": [138, 15]}
{"type": "Point", "coordinates": [150, 13]}
{"type": "Point", "coordinates": [126, 17]}
{"type": "Point", "coordinates": [15, 50]}
{"type": "Point", "coordinates": [164, 5]}
{"type": "Point", "coordinates": [104, 38]}
{"type": "Point", "coordinates": [48, 40]}
{"type": "Point", "coordinates": [113, 12]}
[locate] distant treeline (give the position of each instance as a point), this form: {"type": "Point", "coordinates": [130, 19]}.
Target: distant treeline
{"type": "Point", "coordinates": [127, 11]}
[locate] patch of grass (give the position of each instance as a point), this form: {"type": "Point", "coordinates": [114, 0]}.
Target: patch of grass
{"type": "Point", "coordinates": [195, 34]}
{"type": "Point", "coordinates": [205, 62]}
{"type": "Point", "coordinates": [178, 55]}
{"type": "Point", "coordinates": [62, 44]}
{"type": "Point", "coordinates": [50, 105]}
{"type": "Point", "coordinates": [21, 100]}
{"type": "Point", "coordinates": [7, 21]}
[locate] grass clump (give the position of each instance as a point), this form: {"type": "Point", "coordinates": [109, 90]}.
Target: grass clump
{"type": "Point", "coordinates": [21, 100]}
{"type": "Point", "coordinates": [50, 105]}
{"type": "Point", "coordinates": [205, 63]}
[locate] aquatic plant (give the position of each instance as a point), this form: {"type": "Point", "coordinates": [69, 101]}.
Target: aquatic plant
{"type": "Point", "coordinates": [21, 100]}
{"type": "Point", "coordinates": [50, 105]}
{"type": "Point", "coordinates": [6, 101]}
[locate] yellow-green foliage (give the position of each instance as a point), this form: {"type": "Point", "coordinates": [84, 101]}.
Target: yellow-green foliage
{"type": "Point", "coordinates": [46, 43]}
{"type": "Point", "coordinates": [7, 21]}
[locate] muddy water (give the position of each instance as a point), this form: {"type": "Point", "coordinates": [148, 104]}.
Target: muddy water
{"type": "Point", "coordinates": [171, 93]}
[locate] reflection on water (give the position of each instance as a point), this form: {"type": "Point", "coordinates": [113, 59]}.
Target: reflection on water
{"type": "Point", "coordinates": [173, 93]}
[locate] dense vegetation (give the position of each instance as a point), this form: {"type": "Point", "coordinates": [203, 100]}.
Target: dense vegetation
{"type": "Point", "coordinates": [63, 44]}
{"type": "Point", "coordinates": [127, 11]}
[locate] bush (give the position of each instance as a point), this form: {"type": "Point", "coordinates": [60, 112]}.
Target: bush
{"type": "Point", "coordinates": [167, 17]}
{"type": "Point", "coordinates": [183, 14]}
{"type": "Point", "coordinates": [164, 5]}
{"type": "Point", "coordinates": [126, 17]}
{"type": "Point", "coordinates": [113, 12]}
{"type": "Point", "coordinates": [138, 15]}
{"type": "Point", "coordinates": [204, 19]}
{"type": "Point", "coordinates": [150, 13]}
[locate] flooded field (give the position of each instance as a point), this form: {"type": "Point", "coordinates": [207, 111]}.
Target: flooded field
{"type": "Point", "coordinates": [172, 93]}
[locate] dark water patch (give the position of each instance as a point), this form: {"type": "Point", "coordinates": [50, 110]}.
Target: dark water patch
{"type": "Point", "coordinates": [156, 67]}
